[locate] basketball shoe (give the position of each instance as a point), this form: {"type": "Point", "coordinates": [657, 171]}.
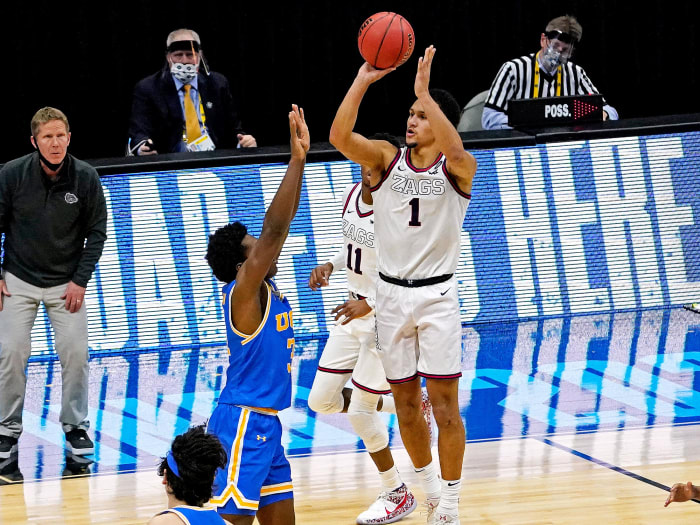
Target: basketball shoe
{"type": "Point", "coordinates": [426, 409]}
{"type": "Point", "coordinates": [438, 518]}
{"type": "Point", "coordinates": [389, 507]}
{"type": "Point", "coordinates": [78, 442]}
{"type": "Point", "coordinates": [8, 446]}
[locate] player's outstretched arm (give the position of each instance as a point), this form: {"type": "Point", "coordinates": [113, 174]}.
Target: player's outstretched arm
{"type": "Point", "coordinates": [353, 145]}
{"type": "Point", "coordinates": [246, 311]}
{"type": "Point", "coordinates": [460, 163]}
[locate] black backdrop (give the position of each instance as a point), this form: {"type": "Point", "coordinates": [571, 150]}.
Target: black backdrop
{"type": "Point", "coordinates": [85, 57]}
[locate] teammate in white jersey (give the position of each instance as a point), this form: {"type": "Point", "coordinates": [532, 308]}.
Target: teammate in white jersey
{"type": "Point", "coordinates": [351, 352]}
{"type": "Point", "coordinates": [420, 196]}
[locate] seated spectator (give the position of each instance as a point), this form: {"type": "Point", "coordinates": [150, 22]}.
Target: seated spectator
{"type": "Point", "coordinates": [184, 106]}
{"type": "Point", "coordinates": [547, 73]}
{"type": "Point", "coordinates": [682, 492]}
{"type": "Point", "coordinates": [188, 474]}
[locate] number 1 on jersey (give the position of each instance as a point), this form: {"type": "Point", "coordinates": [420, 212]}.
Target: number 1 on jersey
{"type": "Point", "coordinates": [414, 212]}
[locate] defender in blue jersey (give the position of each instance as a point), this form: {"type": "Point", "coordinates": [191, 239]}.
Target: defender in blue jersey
{"type": "Point", "coordinates": [188, 473]}
{"type": "Point", "coordinates": [257, 480]}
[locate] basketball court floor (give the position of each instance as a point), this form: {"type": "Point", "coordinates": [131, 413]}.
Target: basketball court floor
{"type": "Point", "coordinates": [584, 419]}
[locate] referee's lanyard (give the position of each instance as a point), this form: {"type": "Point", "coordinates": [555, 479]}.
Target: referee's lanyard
{"type": "Point", "coordinates": [536, 93]}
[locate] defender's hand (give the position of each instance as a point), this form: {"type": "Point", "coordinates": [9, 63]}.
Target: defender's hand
{"type": "Point", "coordinates": [299, 140]}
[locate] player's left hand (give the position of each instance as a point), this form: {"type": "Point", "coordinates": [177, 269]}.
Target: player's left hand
{"type": "Point", "coordinates": [423, 74]}
{"type": "Point", "coordinates": [246, 141]}
{"type": "Point", "coordinates": [351, 309]}
{"type": "Point", "coordinates": [74, 296]}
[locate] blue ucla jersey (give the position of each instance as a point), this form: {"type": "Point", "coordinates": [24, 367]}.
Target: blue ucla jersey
{"type": "Point", "coordinates": [260, 364]}
{"type": "Point", "coordinates": [196, 515]}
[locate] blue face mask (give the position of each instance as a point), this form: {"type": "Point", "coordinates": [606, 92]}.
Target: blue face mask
{"type": "Point", "coordinates": [185, 73]}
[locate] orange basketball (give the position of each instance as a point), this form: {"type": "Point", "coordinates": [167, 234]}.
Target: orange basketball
{"type": "Point", "coordinates": [386, 40]}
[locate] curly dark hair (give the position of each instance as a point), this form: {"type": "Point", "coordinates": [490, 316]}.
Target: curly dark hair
{"type": "Point", "coordinates": [198, 456]}
{"type": "Point", "coordinates": [448, 104]}
{"type": "Point", "coordinates": [225, 251]}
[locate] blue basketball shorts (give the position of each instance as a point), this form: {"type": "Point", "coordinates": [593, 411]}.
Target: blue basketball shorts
{"type": "Point", "coordinates": [257, 473]}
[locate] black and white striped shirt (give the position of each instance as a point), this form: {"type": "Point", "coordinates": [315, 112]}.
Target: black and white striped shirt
{"type": "Point", "coordinates": [516, 80]}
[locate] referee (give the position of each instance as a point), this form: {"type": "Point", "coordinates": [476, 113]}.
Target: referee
{"type": "Point", "coordinates": [547, 73]}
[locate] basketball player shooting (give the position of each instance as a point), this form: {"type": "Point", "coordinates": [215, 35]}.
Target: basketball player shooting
{"type": "Point", "coordinates": [421, 193]}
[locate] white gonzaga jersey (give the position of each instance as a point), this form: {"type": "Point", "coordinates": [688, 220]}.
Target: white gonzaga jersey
{"type": "Point", "coordinates": [419, 215]}
{"type": "Point", "coordinates": [358, 255]}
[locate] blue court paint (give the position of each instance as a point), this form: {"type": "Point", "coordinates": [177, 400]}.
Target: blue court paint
{"type": "Point", "coordinates": [521, 379]}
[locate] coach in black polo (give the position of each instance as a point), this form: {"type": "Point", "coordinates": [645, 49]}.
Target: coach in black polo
{"type": "Point", "coordinates": [54, 217]}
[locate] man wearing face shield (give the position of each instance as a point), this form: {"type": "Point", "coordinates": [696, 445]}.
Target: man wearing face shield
{"type": "Point", "coordinates": [547, 73]}
{"type": "Point", "coordinates": [184, 106]}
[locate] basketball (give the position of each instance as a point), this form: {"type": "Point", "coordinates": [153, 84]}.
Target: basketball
{"type": "Point", "coordinates": [386, 40]}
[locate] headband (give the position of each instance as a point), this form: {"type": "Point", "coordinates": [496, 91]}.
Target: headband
{"type": "Point", "coordinates": [172, 463]}
{"type": "Point", "coordinates": [184, 45]}
{"type": "Point", "coordinates": [560, 35]}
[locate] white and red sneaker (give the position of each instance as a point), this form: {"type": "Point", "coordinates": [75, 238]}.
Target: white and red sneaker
{"type": "Point", "coordinates": [430, 506]}
{"type": "Point", "coordinates": [389, 507]}
{"type": "Point", "coordinates": [426, 408]}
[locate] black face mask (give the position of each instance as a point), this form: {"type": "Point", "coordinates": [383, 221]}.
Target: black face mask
{"type": "Point", "coordinates": [50, 165]}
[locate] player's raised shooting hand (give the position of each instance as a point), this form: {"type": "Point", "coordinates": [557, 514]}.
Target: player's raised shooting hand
{"type": "Point", "coordinates": [368, 74]}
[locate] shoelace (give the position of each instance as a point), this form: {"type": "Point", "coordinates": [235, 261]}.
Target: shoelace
{"type": "Point", "coordinates": [429, 509]}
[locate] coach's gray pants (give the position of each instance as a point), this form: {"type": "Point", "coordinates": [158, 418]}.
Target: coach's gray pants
{"type": "Point", "coordinates": [70, 331]}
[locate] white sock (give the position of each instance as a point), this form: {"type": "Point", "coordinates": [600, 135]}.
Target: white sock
{"type": "Point", "coordinates": [391, 480]}
{"type": "Point", "coordinates": [388, 405]}
{"type": "Point", "coordinates": [449, 500]}
{"type": "Point", "coordinates": [429, 481]}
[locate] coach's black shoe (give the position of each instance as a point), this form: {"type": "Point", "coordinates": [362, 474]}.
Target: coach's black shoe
{"type": "Point", "coordinates": [8, 446]}
{"type": "Point", "coordinates": [76, 465]}
{"type": "Point", "coordinates": [79, 443]}
{"type": "Point", "coordinates": [9, 470]}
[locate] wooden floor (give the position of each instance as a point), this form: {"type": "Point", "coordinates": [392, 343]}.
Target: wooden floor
{"type": "Point", "coordinates": [558, 480]}
{"type": "Point", "coordinates": [585, 420]}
